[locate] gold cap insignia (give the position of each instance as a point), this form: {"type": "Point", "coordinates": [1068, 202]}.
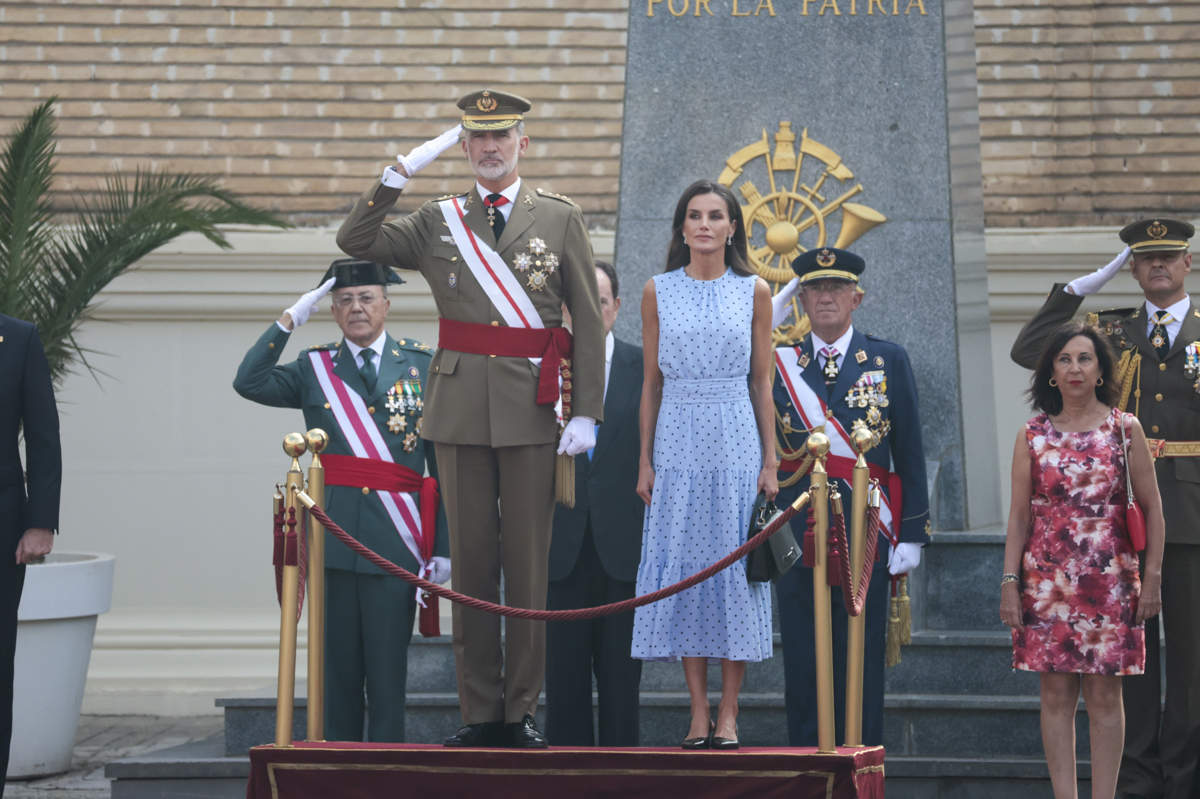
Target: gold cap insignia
{"type": "Point", "coordinates": [486, 102]}
{"type": "Point", "coordinates": [825, 258]}
{"type": "Point", "coordinates": [1156, 230]}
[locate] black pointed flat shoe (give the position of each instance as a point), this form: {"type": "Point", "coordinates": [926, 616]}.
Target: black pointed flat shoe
{"type": "Point", "coordinates": [700, 742]}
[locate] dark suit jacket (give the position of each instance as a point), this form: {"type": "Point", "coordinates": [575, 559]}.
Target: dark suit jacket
{"type": "Point", "coordinates": [29, 495]}
{"type": "Point", "coordinates": [1169, 403]}
{"type": "Point", "coordinates": [606, 485]}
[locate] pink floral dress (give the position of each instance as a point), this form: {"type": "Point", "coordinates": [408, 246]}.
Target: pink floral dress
{"type": "Point", "coordinates": [1079, 573]}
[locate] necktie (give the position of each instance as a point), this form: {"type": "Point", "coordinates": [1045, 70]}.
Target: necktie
{"type": "Point", "coordinates": [1158, 334]}
{"type": "Point", "coordinates": [496, 220]}
{"type": "Point", "coordinates": [367, 370]}
{"type": "Point", "coordinates": [831, 365]}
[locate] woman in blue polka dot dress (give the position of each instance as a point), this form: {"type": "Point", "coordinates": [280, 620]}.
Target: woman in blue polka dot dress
{"type": "Point", "coordinates": [706, 406]}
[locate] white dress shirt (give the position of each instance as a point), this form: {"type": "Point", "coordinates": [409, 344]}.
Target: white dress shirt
{"type": "Point", "coordinates": [1178, 313]}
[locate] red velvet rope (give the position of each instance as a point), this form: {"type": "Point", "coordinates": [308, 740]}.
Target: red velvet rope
{"type": "Point", "coordinates": [550, 615]}
{"type": "Point", "coordinates": [837, 540]}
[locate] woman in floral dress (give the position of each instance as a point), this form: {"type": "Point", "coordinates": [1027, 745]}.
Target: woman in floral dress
{"type": "Point", "coordinates": [1071, 592]}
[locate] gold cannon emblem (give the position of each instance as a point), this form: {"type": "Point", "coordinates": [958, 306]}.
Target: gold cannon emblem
{"type": "Point", "coordinates": [1156, 230]}
{"type": "Point", "coordinates": [805, 197]}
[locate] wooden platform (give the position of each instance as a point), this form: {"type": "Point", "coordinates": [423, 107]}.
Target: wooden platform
{"type": "Point", "coordinates": [364, 771]}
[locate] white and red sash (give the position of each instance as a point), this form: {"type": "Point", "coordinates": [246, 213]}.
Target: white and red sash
{"type": "Point", "coordinates": [362, 434]}
{"type": "Point", "coordinates": [491, 272]}
{"type": "Point", "coordinates": [815, 413]}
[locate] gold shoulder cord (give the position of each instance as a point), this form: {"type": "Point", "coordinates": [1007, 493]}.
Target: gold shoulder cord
{"type": "Point", "coordinates": [792, 454]}
{"type": "Point", "coordinates": [1128, 374]}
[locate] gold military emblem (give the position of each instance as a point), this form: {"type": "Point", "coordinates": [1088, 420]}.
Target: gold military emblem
{"type": "Point", "coordinates": [860, 356]}
{"type": "Point", "coordinates": [803, 360]}
{"type": "Point", "coordinates": [486, 103]}
{"type": "Point", "coordinates": [826, 259]}
{"type": "Point", "coordinates": [879, 360]}
{"type": "Point", "coordinates": [1156, 230]}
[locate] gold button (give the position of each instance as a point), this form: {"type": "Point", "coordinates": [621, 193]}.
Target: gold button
{"type": "Point", "coordinates": [1154, 428]}
{"type": "Point", "coordinates": [495, 324]}
{"type": "Point", "coordinates": [371, 410]}
{"type": "Point", "coordinates": [1162, 367]}
{"type": "Point", "coordinates": [370, 203]}
{"type": "Point", "coordinates": [271, 345]}
{"type": "Point", "coordinates": [1158, 397]}
{"type": "Point", "coordinates": [453, 259]}
{"type": "Point", "coordinates": [327, 406]}
{"type": "Point", "coordinates": [366, 490]}
{"type": "Point", "coordinates": [491, 356]}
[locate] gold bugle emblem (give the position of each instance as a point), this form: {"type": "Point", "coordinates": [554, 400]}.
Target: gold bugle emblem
{"type": "Point", "coordinates": [1156, 230]}
{"type": "Point", "coordinates": [825, 258]}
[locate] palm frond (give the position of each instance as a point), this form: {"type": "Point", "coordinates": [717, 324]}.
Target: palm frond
{"type": "Point", "coordinates": [51, 275]}
{"type": "Point", "coordinates": [26, 229]}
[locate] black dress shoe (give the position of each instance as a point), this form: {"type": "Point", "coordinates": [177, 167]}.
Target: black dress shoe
{"type": "Point", "coordinates": [524, 734]}
{"type": "Point", "coordinates": [487, 733]}
{"type": "Point", "coordinates": [724, 743]}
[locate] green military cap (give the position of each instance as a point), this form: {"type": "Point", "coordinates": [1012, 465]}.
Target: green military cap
{"type": "Point", "coordinates": [1157, 235]}
{"type": "Point", "coordinates": [488, 109]}
{"type": "Point", "coordinates": [354, 272]}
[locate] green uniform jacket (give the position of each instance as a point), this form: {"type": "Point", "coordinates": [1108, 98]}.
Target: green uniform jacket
{"type": "Point", "coordinates": [476, 399]}
{"type": "Point", "coordinates": [294, 385]}
{"type": "Point", "coordinates": [1165, 398]}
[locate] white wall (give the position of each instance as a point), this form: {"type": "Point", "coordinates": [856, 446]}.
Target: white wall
{"type": "Point", "coordinates": [167, 468]}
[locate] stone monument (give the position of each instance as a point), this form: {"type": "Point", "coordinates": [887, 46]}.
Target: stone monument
{"type": "Point", "coordinates": [836, 122]}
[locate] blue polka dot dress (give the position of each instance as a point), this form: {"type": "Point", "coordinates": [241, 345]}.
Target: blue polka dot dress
{"type": "Point", "coordinates": [707, 456]}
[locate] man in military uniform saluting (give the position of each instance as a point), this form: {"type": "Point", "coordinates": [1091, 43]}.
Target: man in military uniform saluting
{"type": "Point", "coordinates": [832, 380]}
{"type": "Point", "coordinates": [501, 261]}
{"type": "Point", "coordinates": [1158, 343]}
{"type": "Point", "coordinates": [367, 393]}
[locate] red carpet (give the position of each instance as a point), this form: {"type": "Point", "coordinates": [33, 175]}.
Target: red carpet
{"type": "Point", "coordinates": [368, 771]}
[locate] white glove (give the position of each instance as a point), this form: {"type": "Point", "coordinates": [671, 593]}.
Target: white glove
{"type": "Point", "coordinates": [424, 154]}
{"type": "Point", "coordinates": [308, 302]}
{"type": "Point", "coordinates": [781, 303]}
{"type": "Point", "coordinates": [1090, 284]}
{"type": "Point", "coordinates": [578, 436]}
{"type": "Point", "coordinates": [438, 570]}
{"type": "Point", "coordinates": [904, 557]}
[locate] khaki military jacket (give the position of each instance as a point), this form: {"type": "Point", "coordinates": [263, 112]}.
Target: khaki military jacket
{"type": "Point", "coordinates": [480, 399]}
{"type": "Point", "coordinates": [1165, 394]}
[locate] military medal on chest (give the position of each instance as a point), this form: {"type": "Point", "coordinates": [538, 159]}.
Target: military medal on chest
{"type": "Point", "coordinates": [1191, 364]}
{"type": "Point", "coordinates": [536, 262]}
{"type": "Point", "coordinates": [869, 392]}
{"type": "Point", "coordinates": [405, 406]}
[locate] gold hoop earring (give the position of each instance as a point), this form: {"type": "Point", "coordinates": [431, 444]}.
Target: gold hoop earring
{"type": "Point", "coordinates": [1100, 380]}
{"type": "Point", "coordinates": [1053, 383]}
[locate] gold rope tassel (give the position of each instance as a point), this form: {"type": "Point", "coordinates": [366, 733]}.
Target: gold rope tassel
{"type": "Point", "coordinates": [564, 479]}
{"type": "Point", "coordinates": [905, 611]}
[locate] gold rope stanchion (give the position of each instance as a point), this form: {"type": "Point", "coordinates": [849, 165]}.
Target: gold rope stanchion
{"type": "Point", "coordinates": [294, 445]}
{"type": "Point", "coordinates": [856, 632]}
{"type": "Point", "coordinates": [317, 439]}
{"type": "Point", "coordinates": [818, 447]}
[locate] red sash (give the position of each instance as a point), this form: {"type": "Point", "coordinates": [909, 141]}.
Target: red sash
{"type": "Point", "coordinates": [552, 344]}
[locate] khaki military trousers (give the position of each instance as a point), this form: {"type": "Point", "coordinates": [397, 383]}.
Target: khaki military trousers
{"type": "Point", "coordinates": [500, 508]}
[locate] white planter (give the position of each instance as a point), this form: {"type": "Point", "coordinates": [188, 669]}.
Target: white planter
{"type": "Point", "coordinates": [55, 624]}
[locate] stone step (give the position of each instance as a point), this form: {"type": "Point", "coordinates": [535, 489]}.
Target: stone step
{"type": "Point", "coordinates": [915, 724]}
{"type": "Point", "coordinates": [191, 771]}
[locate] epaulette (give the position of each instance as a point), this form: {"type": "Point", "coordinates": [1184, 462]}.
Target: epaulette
{"type": "Point", "coordinates": [449, 196]}
{"type": "Point", "coordinates": [1094, 317]}
{"type": "Point", "coordinates": [414, 345]}
{"type": "Point", "coordinates": [544, 193]}
{"type": "Point", "coordinates": [333, 345]}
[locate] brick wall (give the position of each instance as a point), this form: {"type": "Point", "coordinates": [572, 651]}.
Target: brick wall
{"type": "Point", "coordinates": [1089, 110]}
{"type": "Point", "coordinates": [300, 103]}
{"type": "Point", "coordinates": [1087, 107]}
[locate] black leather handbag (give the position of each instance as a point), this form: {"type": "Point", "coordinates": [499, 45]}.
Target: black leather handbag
{"type": "Point", "coordinates": [780, 552]}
